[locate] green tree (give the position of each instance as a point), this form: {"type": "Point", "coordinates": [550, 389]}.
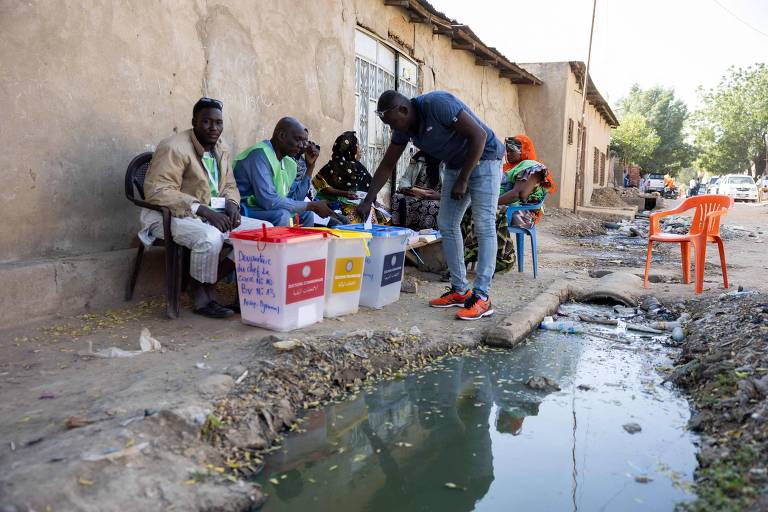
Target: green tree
{"type": "Point", "coordinates": [634, 141]}
{"type": "Point", "coordinates": [732, 126]}
{"type": "Point", "coordinates": [667, 116]}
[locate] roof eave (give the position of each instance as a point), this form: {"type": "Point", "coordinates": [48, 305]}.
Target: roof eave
{"type": "Point", "coordinates": [462, 38]}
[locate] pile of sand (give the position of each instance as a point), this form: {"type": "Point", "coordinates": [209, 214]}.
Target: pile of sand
{"type": "Point", "coordinates": [609, 197]}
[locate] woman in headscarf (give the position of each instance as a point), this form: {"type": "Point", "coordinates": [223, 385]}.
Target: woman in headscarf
{"type": "Point", "coordinates": [417, 201]}
{"type": "Point", "coordinates": [343, 176]}
{"type": "Point", "coordinates": [525, 181]}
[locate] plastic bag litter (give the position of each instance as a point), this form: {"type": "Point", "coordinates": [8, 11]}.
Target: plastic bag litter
{"type": "Point", "coordinates": [146, 344]}
{"type": "Point", "coordinates": [113, 455]}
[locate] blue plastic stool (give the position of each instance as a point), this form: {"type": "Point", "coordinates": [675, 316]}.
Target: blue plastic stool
{"type": "Point", "coordinates": [520, 236]}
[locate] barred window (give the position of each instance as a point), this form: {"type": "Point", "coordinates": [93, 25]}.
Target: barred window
{"type": "Point", "coordinates": [570, 131]}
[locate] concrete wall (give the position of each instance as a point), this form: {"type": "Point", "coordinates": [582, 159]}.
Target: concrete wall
{"type": "Point", "coordinates": [89, 84]}
{"type": "Point", "coordinates": [546, 110]}
{"type": "Point", "coordinates": [543, 111]}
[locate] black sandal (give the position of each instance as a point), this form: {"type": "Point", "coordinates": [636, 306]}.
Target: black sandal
{"type": "Point", "coordinates": [214, 310]}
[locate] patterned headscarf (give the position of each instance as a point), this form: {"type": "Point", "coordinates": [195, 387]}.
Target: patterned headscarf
{"type": "Point", "coordinates": [528, 152]}
{"type": "Point", "coordinates": [343, 171]}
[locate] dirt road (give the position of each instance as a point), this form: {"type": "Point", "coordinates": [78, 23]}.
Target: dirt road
{"type": "Point", "coordinates": [136, 442]}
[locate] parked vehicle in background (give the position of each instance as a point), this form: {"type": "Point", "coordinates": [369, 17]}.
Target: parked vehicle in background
{"type": "Point", "coordinates": [738, 186]}
{"type": "Point", "coordinates": [711, 185]}
{"type": "Point", "coordinates": [654, 182]}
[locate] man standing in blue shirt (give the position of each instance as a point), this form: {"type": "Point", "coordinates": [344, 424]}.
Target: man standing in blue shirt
{"type": "Point", "coordinates": [443, 126]}
{"type": "Point", "coordinates": [268, 179]}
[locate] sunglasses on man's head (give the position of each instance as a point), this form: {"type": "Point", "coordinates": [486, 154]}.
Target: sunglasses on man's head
{"type": "Point", "coordinates": [211, 101]}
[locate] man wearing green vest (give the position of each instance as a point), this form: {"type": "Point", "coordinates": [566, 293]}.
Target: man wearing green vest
{"type": "Point", "coordinates": [267, 181]}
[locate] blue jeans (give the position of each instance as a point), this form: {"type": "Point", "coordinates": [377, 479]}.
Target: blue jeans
{"type": "Point", "coordinates": [483, 192]}
{"type": "Point", "coordinates": [282, 217]}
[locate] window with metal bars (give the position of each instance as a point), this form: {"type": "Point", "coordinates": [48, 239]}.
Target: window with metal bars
{"type": "Point", "coordinates": [379, 67]}
{"type": "Point", "coordinates": [570, 131]}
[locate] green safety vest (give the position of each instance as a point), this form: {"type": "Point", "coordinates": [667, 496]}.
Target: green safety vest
{"type": "Point", "coordinates": [283, 171]}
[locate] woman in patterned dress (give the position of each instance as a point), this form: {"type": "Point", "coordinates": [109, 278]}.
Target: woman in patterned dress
{"type": "Point", "coordinates": [343, 176]}
{"type": "Point", "coordinates": [417, 201]}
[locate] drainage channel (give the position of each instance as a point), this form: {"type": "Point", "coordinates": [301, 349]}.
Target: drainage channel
{"type": "Point", "coordinates": [470, 433]}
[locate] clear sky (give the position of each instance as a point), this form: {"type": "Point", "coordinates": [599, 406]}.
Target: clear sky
{"type": "Point", "coordinates": [675, 43]}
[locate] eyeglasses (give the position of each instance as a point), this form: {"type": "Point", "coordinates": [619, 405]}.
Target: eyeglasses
{"type": "Point", "coordinates": [212, 101]}
{"type": "Point", "coordinates": [381, 113]}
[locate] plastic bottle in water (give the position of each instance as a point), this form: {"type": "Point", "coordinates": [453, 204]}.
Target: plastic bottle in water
{"type": "Point", "coordinates": [562, 326]}
{"type": "Point", "coordinates": [621, 327]}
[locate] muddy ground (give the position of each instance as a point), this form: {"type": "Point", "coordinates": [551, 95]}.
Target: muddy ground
{"type": "Point", "coordinates": [183, 428]}
{"type": "Point", "coordinates": [724, 368]}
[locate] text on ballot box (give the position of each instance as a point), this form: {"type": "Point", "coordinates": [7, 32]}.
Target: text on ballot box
{"type": "Point", "coordinates": [383, 270]}
{"type": "Point", "coordinates": [280, 276]}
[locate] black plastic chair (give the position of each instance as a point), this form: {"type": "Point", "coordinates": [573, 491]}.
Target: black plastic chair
{"type": "Point", "coordinates": [174, 253]}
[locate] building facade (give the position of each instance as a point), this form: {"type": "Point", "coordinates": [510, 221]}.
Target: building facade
{"type": "Point", "coordinates": [88, 85]}
{"type": "Point", "coordinates": [552, 116]}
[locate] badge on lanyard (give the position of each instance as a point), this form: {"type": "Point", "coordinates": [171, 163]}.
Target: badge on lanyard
{"type": "Point", "coordinates": [212, 170]}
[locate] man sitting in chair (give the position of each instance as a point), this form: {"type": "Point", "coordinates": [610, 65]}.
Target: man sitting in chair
{"type": "Point", "coordinates": [191, 175]}
{"type": "Point", "coordinates": [266, 175]}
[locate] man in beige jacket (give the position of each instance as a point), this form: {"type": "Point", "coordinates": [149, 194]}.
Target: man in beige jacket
{"type": "Point", "coordinates": [191, 174]}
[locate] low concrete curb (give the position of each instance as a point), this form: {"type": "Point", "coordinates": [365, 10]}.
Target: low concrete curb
{"type": "Point", "coordinates": [511, 331]}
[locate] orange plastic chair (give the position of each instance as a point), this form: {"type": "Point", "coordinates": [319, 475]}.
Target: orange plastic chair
{"type": "Point", "coordinates": [705, 227]}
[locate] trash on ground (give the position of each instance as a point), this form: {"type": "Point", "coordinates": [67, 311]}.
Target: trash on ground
{"type": "Point", "coordinates": [242, 377]}
{"type": "Point", "coordinates": [632, 428]}
{"type": "Point", "coordinates": [286, 344]}
{"type": "Point", "coordinates": [146, 344]}
{"type": "Point", "coordinates": [77, 422]}
{"type": "Point", "coordinates": [564, 326]}
{"type": "Point", "coordinates": [112, 454]}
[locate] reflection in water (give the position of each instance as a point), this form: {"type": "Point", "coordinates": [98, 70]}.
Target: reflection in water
{"type": "Point", "coordinates": [472, 423]}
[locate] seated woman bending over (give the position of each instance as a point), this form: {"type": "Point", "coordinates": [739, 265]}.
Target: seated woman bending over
{"type": "Point", "coordinates": [525, 181]}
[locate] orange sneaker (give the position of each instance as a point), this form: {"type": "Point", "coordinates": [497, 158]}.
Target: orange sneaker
{"type": "Point", "coordinates": [475, 308]}
{"type": "Point", "coordinates": [451, 298]}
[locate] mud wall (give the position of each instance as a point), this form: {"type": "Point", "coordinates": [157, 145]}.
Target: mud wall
{"type": "Point", "coordinates": [88, 85]}
{"type": "Point", "coordinates": [546, 110]}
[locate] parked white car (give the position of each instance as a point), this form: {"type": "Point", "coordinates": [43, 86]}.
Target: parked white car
{"type": "Point", "coordinates": [738, 186]}
{"type": "Point", "coordinates": [653, 183]}
{"type": "Point", "coordinates": [712, 185]}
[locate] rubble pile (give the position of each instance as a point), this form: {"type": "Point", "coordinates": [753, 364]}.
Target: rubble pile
{"type": "Point", "coordinates": [724, 367]}
{"type": "Point", "coordinates": [680, 225]}
{"type": "Point", "coordinates": [608, 196]}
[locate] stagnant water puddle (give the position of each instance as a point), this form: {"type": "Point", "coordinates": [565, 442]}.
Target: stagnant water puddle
{"type": "Point", "coordinates": [468, 434]}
